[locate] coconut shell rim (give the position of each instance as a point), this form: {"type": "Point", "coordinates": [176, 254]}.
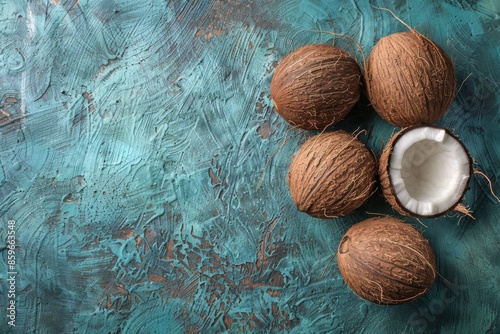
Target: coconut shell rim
{"type": "Point", "coordinates": [391, 187]}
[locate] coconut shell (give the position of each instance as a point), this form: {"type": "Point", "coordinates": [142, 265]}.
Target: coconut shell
{"type": "Point", "coordinates": [384, 175]}
{"type": "Point", "coordinates": [409, 79]}
{"type": "Point", "coordinates": [331, 175]}
{"type": "Point", "coordinates": [386, 183]}
{"type": "Point", "coordinates": [315, 86]}
{"type": "Point", "coordinates": [386, 261]}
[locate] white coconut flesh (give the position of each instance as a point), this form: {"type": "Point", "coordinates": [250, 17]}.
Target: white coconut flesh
{"type": "Point", "coordinates": [429, 171]}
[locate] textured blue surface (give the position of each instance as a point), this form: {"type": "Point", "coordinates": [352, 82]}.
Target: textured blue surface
{"type": "Point", "coordinates": [133, 135]}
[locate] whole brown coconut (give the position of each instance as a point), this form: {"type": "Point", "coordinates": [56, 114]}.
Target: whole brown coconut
{"type": "Point", "coordinates": [386, 261]}
{"type": "Point", "coordinates": [425, 171]}
{"type": "Point", "coordinates": [409, 79]}
{"type": "Point", "coordinates": [331, 175]}
{"type": "Point", "coordinates": [315, 86]}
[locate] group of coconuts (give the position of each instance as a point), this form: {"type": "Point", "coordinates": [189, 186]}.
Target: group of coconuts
{"type": "Point", "coordinates": [423, 171]}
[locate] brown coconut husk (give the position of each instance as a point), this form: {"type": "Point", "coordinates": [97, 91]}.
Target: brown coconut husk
{"type": "Point", "coordinates": [409, 79]}
{"type": "Point", "coordinates": [315, 86]}
{"type": "Point", "coordinates": [331, 175]}
{"type": "Point", "coordinates": [385, 261]}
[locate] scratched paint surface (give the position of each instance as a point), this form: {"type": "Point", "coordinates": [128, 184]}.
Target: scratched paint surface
{"type": "Point", "coordinates": [145, 168]}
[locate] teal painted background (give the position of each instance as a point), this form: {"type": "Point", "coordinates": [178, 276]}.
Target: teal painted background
{"type": "Point", "coordinates": [133, 137]}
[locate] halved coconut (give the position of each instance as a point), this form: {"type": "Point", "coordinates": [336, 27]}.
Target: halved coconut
{"type": "Point", "coordinates": [424, 171]}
